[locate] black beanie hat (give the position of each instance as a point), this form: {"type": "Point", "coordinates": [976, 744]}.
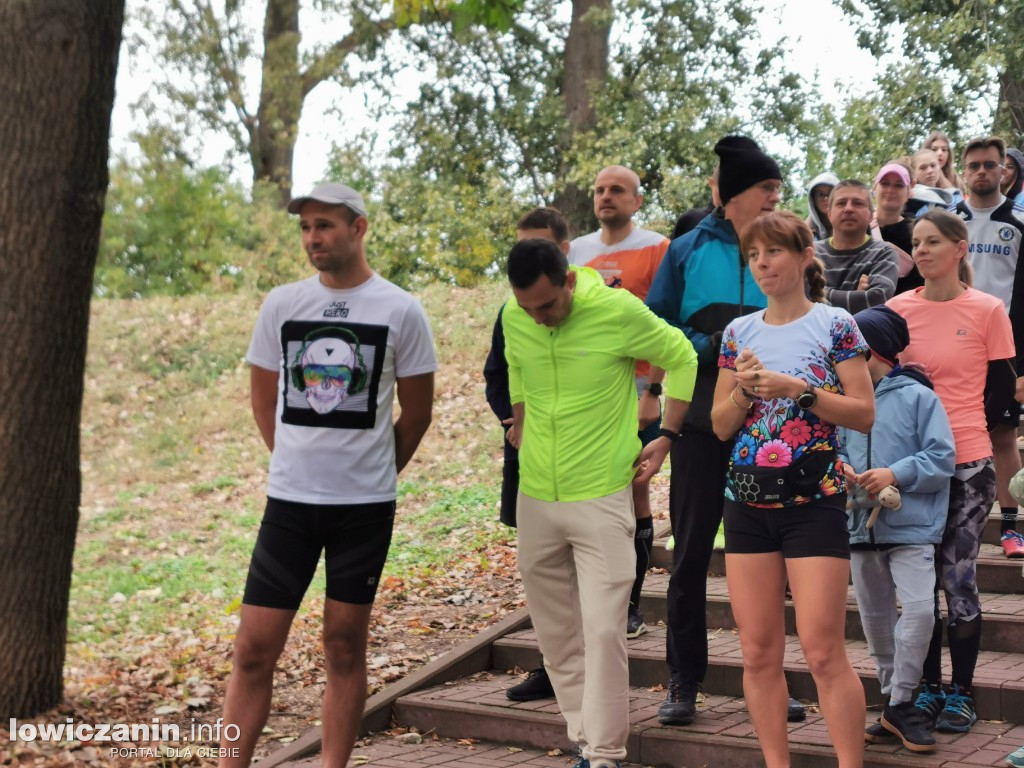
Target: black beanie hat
{"type": "Point", "coordinates": [884, 330]}
{"type": "Point", "coordinates": [742, 164]}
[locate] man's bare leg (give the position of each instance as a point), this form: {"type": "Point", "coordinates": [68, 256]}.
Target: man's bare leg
{"type": "Point", "coordinates": [258, 645]}
{"type": "Point", "coordinates": [345, 633]}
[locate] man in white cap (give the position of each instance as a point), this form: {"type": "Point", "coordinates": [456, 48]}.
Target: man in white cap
{"type": "Point", "coordinates": [328, 355]}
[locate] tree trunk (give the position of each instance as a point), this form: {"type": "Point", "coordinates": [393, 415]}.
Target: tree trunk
{"type": "Point", "coordinates": [58, 59]}
{"type": "Point", "coordinates": [586, 68]}
{"type": "Point", "coordinates": [1009, 117]}
{"type": "Point", "coordinates": [277, 117]}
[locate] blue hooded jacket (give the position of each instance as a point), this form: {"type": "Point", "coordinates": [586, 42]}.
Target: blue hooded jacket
{"type": "Point", "coordinates": [912, 437]}
{"type": "Point", "coordinates": [701, 286]}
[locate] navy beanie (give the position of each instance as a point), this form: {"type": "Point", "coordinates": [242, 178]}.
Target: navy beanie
{"type": "Point", "coordinates": [884, 330]}
{"type": "Point", "coordinates": [741, 165]}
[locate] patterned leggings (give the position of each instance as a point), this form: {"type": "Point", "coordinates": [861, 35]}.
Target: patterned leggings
{"type": "Point", "coordinates": [971, 493]}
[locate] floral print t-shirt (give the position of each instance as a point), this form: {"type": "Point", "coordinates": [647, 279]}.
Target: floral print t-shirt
{"type": "Point", "coordinates": [778, 431]}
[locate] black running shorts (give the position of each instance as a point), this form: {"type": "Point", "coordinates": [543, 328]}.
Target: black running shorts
{"type": "Point", "coordinates": [814, 529]}
{"type": "Point", "coordinates": [353, 537]}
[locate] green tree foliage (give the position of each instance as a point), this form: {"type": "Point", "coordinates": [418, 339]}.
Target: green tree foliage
{"type": "Point", "coordinates": [961, 59]}
{"type": "Point", "coordinates": [679, 75]}
{"type": "Point", "coordinates": [168, 228]}
{"type": "Point", "coordinates": [171, 228]}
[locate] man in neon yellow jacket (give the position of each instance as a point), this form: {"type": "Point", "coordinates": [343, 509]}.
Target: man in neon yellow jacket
{"type": "Point", "coordinates": [572, 345]}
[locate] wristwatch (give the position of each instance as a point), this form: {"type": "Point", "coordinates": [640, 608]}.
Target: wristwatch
{"type": "Point", "coordinates": [673, 436]}
{"type": "Point", "coordinates": [654, 388]}
{"type": "Point", "coordinates": [807, 398]}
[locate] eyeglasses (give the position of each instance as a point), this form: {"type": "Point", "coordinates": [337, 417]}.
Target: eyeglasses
{"type": "Point", "coordinates": [313, 375]}
{"type": "Point", "coordinates": [770, 187]}
{"type": "Point", "coordinates": [988, 165]}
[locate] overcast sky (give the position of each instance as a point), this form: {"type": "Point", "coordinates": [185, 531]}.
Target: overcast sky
{"type": "Point", "coordinates": [821, 42]}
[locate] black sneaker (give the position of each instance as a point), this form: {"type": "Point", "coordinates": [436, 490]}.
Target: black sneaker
{"type": "Point", "coordinates": [680, 705]}
{"type": "Point", "coordinates": [537, 685]}
{"type": "Point", "coordinates": [795, 711]}
{"type": "Point", "coordinates": [907, 722]}
{"type": "Point", "coordinates": [876, 734]}
{"type": "Point", "coordinates": [634, 623]}
{"type": "Point", "coordinates": [958, 715]}
{"type": "Point", "coordinates": [931, 700]}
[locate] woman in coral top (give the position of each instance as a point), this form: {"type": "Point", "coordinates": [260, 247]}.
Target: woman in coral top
{"type": "Point", "coordinates": [963, 338]}
{"type": "Point", "coordinates": [788, 376]}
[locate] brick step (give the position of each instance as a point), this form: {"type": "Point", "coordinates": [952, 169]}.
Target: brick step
{"type": "Point", "coordinates": [998, 680]}
{"type": "Point", "coordinates": [722, 736]}
{"type": "Point", "coordinates": [1003, 628]}
{"type": "Point", "coordinates": [996, 573]}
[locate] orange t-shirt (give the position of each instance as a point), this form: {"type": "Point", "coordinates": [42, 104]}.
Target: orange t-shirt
{"type": "Point", "coordinates": [954, 342]}
{"type": "Point", "coordinates": [630, 264]}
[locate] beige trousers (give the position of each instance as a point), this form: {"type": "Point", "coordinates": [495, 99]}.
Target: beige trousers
{"type": "Point", "coordinates": [578, 564]}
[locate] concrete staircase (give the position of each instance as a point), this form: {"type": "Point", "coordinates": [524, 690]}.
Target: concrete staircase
{"type": "Point", "coordinates": [469, 722]}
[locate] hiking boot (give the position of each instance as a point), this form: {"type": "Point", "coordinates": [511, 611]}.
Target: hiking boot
{"type": "Point", "coordinates": [907, 722]}
{"type": "Point", "coordinates": [930, 701]}
{"type": "Point", "coordinates": [795, 712]}
{"type": "Point", "coordinates": [1016, 759]}
{"type": "Point", "coordinates": [680, 705]}
{"type": "Point", "coordinates": [537, 685]}
{"type": "Point", "coordinates": [1013, 544]}
{"type": "Point", "coordinates": [958, 715]}
{"type": "Point", "coordinates": [634, 623]}
{"type": "Point", "coordinates": [876, 734]}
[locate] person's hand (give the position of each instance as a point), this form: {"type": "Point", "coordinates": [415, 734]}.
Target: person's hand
{"type": "Point", "coordinates": [849, 473]}
{"type": "Point", "coordinates": [864, 283]}
{"type": "Point", "coordinates": [650, 459]}
{"type": "Point", "coordinates": [1018, 394]}
{"type": "Point", "coordinates": [648, 409]}
{"type": "Point", "coordinates": [514, 438]}
{"type": "Point", "coordinates": [764, 384]}
{"type": "Point", "coordinates": [507, 421]}
{"type": "Point", "coordinates": [874, 480]}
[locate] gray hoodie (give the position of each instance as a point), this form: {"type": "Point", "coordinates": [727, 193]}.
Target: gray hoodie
{"type": "Point", "coordinates": [820, 229]}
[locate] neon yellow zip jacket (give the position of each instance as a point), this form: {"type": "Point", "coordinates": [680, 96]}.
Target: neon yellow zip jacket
{"type": "Point", "coordinates": [577, 383]}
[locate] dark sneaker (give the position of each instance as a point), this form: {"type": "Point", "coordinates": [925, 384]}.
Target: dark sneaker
{"type": "Point", "coordinates": [876, 734]}
{"type": "Point", "coordinates": [604, 764]}
{"type": "Point", "coordinates": [795, 712]}
{"type": "Point", "coordinates": [931, 701]}
{"type": "Point", "coordinates": [634, 623]}
{"type": "Point", "coordinates": [537, 685]}
{"type": "Point", "coordinates": [680, 705]}
{"type": "Point", "coordinates": [581, 762]}
{"type": "Point", "coordinates": [958, 715]}
{"type": "Point", "coordinates": [908, 723]}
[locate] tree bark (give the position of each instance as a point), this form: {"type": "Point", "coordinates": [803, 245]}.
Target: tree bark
{"type": "Point", "coordinates": [1009, 117]}
{"type": "Point", "coordinates": [58, 60]}
{"type": "Point", "coordinates": [281, 93]}
{"type": "Point", "coordinates": [586, 68]}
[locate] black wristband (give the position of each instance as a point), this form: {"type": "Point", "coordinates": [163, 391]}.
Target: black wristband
{"type": "Point", "coordinates": [673, 436]}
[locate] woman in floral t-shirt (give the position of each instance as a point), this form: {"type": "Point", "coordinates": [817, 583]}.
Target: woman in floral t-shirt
{"type": "Point", "coordinates": [788, 377]}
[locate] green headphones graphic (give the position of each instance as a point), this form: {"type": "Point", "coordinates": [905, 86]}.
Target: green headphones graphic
{"type": "Point", "coordinates": [312, 374]}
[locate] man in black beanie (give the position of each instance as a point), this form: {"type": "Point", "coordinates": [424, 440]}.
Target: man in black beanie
{"type": "Point", "coordinates": [701, 286]}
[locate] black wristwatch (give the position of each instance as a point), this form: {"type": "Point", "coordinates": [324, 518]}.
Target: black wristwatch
{"type": "Point", "coordinates": [654, 388]}
{"type": "Point", "coordinates": [807, 398]}
{"type": "Point", "coordinates": [673, 436]}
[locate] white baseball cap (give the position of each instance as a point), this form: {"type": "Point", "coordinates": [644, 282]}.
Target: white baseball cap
{"type": "Point", "coordinates": [331, 194]}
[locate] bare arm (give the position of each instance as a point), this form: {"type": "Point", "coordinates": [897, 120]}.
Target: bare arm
{"type": "Point", "coordinates": [515, 432]}
{"type": "Point", "coordinates": [263, 386]}
{"type": "Point", "coordinates": [855, 409]}
{"type": "Point", "coordinates": [730, 406]}
{"type": "Point", "coordinates": [416, 399]}
{"type": "Point", "coordinates": [653, 455]}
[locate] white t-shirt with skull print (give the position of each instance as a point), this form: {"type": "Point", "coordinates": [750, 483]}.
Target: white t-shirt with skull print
{"type": "Point", "coordinates": [337, 354]}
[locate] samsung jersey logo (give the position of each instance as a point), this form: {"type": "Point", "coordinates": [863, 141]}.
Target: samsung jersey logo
{"type": "Point", "coordinates": [999, 250]}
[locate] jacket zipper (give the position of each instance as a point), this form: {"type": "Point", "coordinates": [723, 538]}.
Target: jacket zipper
{"type": "Point", "coordinates": [554, 429]}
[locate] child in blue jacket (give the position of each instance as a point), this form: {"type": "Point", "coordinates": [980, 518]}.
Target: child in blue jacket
{"type": "Point", "coordinates": [910, 447]}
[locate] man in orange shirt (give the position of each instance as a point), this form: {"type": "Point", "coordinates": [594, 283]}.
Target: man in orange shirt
{"type": "Point", "coordinates": [627, 257]}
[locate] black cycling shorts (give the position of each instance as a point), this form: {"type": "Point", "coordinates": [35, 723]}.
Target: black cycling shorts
{"type": "Point", "coordinates": [353, 537]}
{"type": "Point", "coordinates": [814, 529]}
